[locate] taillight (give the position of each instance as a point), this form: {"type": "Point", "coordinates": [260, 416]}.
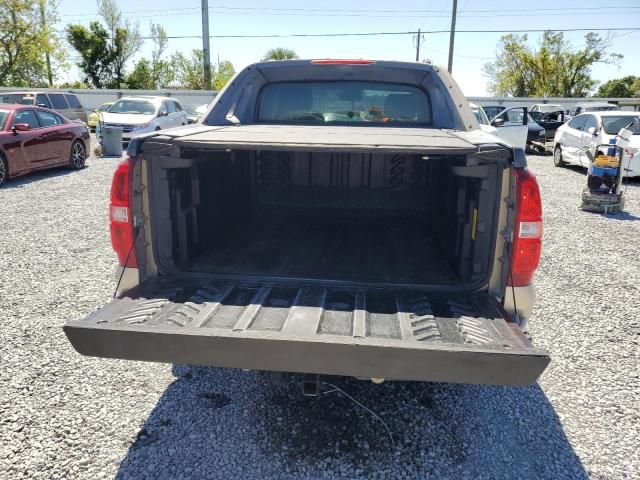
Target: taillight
{"type": "Point", "coordinates": [527, 241]}
{"type": "Point", "coordinates": [120, 217]}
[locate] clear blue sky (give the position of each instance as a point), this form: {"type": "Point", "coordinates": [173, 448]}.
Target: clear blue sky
{"type": "Point", "coordinates": [472, 50]}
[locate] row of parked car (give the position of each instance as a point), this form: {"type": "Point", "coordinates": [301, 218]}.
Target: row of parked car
{"type": "Point", "coordinates": [574, 135]}
{"type": "Point", "coordinates": [69, 105]}
{"type": "Point", "coordinates": [40, 130]}
{"type": "Point", "coordinates": [31, 120]}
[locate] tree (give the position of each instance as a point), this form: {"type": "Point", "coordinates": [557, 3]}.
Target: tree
{"type": "Point", "coordinates": [104, 51]}
{"type": "Point", "coordinates": [162, 71]}
{"type": "Point", "coordinates": [635, 87]}
{"type": "Point", "coordinates": [189, 71]}
{"type": "Point", "coordinates": [141, 77]}
{"type": "Point", "coordinates": [96, 56]}
{"type": "Point", "coordinates": [155, 73]}
{"type": "Point", "coordinates": [556, 68]}
{"type": "Point", "coordinates": [509, 75]}
{"type": "Point", "coordinates": [223, 73]}
{"type": "Point", "coordinates": [76, 84]}
{"type": "Point", "coordinates": [624, 87]}
{"type": "Point", "coordinates": [279, 54]}
{"type": "Point", "coordinates": [126, 39]}
{"type": "Point", "coordinates": [25, 42]}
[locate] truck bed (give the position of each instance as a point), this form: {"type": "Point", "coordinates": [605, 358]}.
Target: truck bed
{"type": "Point", "coordinates": [393, 334]}
{"type": "Point", "coordinates": [369, 250]}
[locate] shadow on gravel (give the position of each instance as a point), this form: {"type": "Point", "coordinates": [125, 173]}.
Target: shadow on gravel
{"type": "Point", "coordinates": [622, 216]}
{"type": "Point", "coordinates": [213, 423]}
{"type": "Point", "coordinates": [576, 169]}
{"type": "Point", "coordinates": [19, 182]}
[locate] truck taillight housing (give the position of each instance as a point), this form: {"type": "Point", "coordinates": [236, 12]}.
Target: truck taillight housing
{"type": "Point", "coordinates": [120, 217]}
{"type": "Point", "coordinates": [527, 235]}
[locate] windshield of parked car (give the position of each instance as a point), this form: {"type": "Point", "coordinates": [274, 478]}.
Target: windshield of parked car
{"type": "Point", "coordinates": [341, 102]}
{"type": "Point", "coordinates": [4, 114]}
{"type": "Point", "coordinates": [19, 98]}
{"type": "Point", "coordinates": [548, 108]}
{"type": "Point", "coordinates": [613, 124]}
{"type": "Point", "coordinates": [142, 107]}
{"type": "Point", "coordinates": [105, 107]}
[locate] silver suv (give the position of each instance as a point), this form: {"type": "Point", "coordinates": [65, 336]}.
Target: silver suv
{"type": "Point", "coordinates": [66, 104]}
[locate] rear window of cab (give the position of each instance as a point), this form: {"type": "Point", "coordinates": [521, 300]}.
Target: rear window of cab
{"type": "Point", "coordinates": [343, 102]}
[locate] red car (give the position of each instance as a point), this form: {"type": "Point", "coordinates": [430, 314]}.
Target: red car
{"type": "Point", "coordinates": [34, 138]}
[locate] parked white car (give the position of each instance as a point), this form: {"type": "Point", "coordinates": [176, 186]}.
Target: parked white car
{"type": "Point", "coordinates": [583, 133]}
{"type": "Point", "coordinates": [545, 107]}
{"type": "Point", "coordinates": [482, 118]}
{"type": "Point", "coordinates": [590, 107]}
{"type": "Point", "coordinates": [138, 115]}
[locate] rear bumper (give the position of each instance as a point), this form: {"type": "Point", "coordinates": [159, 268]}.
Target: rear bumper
{"type": "Point", "coordinates": [332, 331]}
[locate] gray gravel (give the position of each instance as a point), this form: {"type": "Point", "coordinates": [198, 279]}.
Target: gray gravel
{"type": "Point", "coordinates": [67, 416]}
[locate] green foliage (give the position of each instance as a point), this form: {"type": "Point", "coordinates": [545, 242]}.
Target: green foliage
{"type": "Point", "coordinates": [279, 53]}
{"type": "Point", "coordinates": [188, 72]}
{"type": "Point", "coordinates": [141, 77]}
{"type": "Point", "coordinates": [77, 85]}
{"type": "Point", "coordinates": [96, 56]}
{"type": "Point", "coordinates": [25, 40]}
{"type": "Point", "coordinates": [223, 74]}
{"type": "Point", "coordinates": [104, 51]}
{"type": "Point", "coordinates": [624, 87]}
{"type": "Point", "coordinates": [162, 71]}
{"type": "Point", "coordinates": [555, 69]}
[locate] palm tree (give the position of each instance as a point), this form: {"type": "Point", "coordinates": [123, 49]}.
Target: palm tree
{"type": "Point", "coordinates": [279, 54]}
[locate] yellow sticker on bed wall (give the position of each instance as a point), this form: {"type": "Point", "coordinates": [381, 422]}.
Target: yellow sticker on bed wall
{"type": "Point", "coordinates": [474, 224]}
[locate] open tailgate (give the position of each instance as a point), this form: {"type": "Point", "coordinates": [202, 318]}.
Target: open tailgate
{"type": "Point", "coordinates": [403, 335]}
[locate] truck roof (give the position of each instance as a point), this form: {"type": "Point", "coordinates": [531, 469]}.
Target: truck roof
{"type": "Point", "coordinates": [238, 100]}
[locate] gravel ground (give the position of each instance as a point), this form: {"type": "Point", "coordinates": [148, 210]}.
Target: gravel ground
{"type": "Point", "coordinates": [67, 416]}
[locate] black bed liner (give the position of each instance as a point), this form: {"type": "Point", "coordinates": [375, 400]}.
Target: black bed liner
{"type": "Point", "coordinates": [401, 334]}
{"type": "Point", "coordinates": [357, 250]}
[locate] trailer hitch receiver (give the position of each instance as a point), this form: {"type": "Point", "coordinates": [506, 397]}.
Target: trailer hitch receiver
{"type": "Point", "coordinates": [311, 385]}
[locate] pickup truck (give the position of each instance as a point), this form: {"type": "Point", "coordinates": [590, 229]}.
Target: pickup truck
{"type": "Point", "coordinates": [326, 217]}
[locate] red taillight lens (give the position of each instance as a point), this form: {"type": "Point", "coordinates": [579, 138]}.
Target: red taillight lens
{"type": "Point", "coordinates": [342, 61]}
{"type": "Point", "coordinates": [527, 242]}
{"type": "Point", "coordinates": [120, 218]}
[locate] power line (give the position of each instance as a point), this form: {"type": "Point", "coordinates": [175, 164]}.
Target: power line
{"type": "Point", "coordinates": [363, 15]}
{"type": "Point", "coordinates": [361, 34]}
{"type": "Point", "coordinates": [226, 10]}
{"type": "Point", "coordinates": [409, 32]}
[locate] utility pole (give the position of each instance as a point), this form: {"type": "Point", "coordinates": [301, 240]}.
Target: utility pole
{"type": "Point", "coordinates": [418, 47]}
{"type": "Point", "coordinates": [206, 51]}
{"type": "Point", "coordinates": [43, 25]}
{"type": "Point", "coordinates": [452, 34]}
